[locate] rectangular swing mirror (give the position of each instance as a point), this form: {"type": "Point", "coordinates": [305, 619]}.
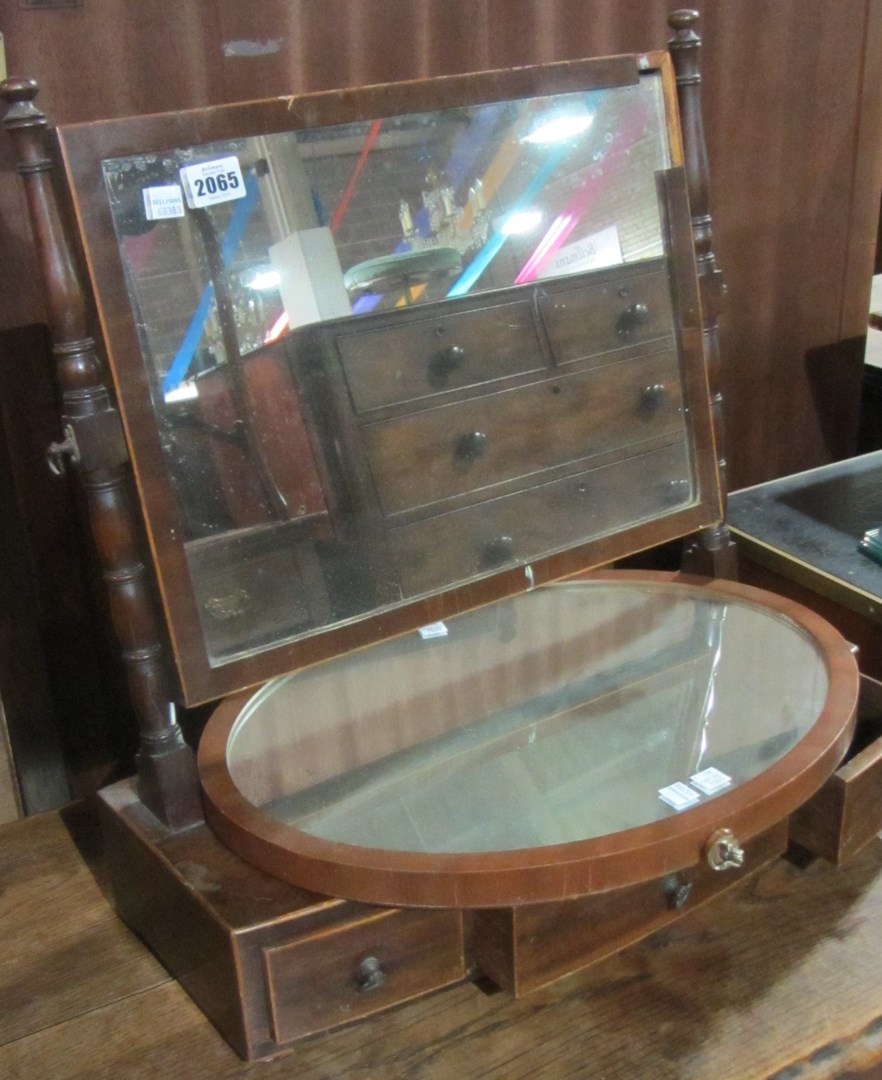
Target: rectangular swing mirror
{"type": "Point", "coordinates": [389, 353]}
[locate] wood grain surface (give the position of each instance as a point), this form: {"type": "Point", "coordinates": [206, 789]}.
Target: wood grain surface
{"type": "Point", "coordinates": [779, 978]}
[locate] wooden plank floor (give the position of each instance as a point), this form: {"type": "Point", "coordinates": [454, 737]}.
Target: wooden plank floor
{"type": "Point", "coordinates": [782, 977]}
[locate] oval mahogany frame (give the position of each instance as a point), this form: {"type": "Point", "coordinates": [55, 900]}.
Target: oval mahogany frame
{"type": "Point", "coordinates": [558, 872]}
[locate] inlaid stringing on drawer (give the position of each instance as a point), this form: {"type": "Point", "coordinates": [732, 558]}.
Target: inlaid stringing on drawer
{"type": "Point", "coordinates": [341, 974]}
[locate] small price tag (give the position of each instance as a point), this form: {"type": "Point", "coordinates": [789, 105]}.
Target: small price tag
{"type": "Point", "coordinates": [710, 781]}
{"type": "Point", "coordinates": [678, 795]}
{"type": "Point", "coordinates": [433, 630]}
{"type": "Point", "coordinates": [213, 182]}
{"type": "Point", "coordinates": [163, 202]}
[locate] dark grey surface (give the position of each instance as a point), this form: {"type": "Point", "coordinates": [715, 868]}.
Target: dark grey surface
{"type": "Point", "coordinates": [819, 517]}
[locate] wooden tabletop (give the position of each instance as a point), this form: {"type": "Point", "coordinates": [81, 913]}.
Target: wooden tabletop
{"type": "Point", "coordinates": [781, 977]}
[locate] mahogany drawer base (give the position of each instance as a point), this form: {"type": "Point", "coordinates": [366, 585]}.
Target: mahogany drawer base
{"type": "Point", "coordinates": [267, 963]}
{"type": "Point", "coordinates": [270, 964]}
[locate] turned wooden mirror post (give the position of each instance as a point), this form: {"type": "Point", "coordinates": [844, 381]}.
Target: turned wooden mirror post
{"type": "Point", "coordinates": [93, 441]}
{"type": "Point", "coordinates": [714, 553]}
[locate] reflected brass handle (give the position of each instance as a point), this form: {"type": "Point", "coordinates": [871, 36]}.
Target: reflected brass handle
{"type": "Point", "coordinates": [60, 453]}
{"type": "Point", "coordinates": [370, 975]}
{"type": "Point", "coordinates": [631, 319]}
{"type": "Point", "coordinates": [470, 447]}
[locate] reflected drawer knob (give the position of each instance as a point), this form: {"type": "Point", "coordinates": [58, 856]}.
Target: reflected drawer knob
{"type": "Point", "coordinates": [445, 362]}
{"type": "Point", "coordinates": [370, 975]}
{"type": "Point", "coordinates": [652, 398]}
{"type": "Point", "coordinates": [497, 550]}
{"type": "Point", "coordinates": [470, 447]}
{"type": "Point", "coordinates": [631, 319]}
{"type": "Point", "coordinates": [723, 852]}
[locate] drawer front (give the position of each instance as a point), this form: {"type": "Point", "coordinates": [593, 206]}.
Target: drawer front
{"type": "Point", "coordinates": [536, 944]}
{"type": "Point", "coordinates": [433, 356]}
{"type": "Point", "coordinates": [343, 974]}
{"type": "Point", "coordinates": [846, 813]}
{"type": "Point", "coordinates": [453, 547]}
{"type": "Point", "coordinates": [597, 319]}
{"type": "Point", "coordinates": [470, 446]}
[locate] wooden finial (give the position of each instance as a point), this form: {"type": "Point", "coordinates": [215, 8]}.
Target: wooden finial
{"type": "Point", "coordinates": [16, 90]}
{"type": "Point", "coordinates": [21, 111]}
{"type": "Point", "coordinates": [683, 22]}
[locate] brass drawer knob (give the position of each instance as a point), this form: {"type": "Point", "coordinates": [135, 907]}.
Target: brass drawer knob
{"type": "Point", "coordinates": [723, 852]}
{"type": "Point", "coordinates": [370, 975]}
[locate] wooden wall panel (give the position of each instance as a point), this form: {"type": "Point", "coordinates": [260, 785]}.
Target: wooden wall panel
{"type": "Point", "coordinates": [785, 106]}
{"type": "Point", "coordinates": [793, 109]}
{"type": "Point", "coordinates": [865, 218]}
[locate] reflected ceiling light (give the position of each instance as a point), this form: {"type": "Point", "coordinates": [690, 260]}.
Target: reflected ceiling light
{"type": "Point", "coordinates": [558, 128]}
{"type": "Point", "coordinates": [520, 222]}
{"type": "Point", "coordinates": [261, 279]}
{"type": "Point", "coordinates": [187, 391]}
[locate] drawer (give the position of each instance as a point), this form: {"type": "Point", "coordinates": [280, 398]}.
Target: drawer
{"type": "Point", "coordinates": [425, 357]}
{"type": "Point", "coordinates": [452, 547]}
{"type": "Point", "coordinates": [522, 949]}
{"type": "Point", "coordinates": [846, 813]}
{"type": "Point", "coordinates": [470, 446]}
{"type": "Point", "coordinates": [346, 973]}
{"type": "Point", "coordinates": [597, 319]}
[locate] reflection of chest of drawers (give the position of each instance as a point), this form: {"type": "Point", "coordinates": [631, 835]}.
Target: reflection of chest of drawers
{"type": "Point", "coordinates": [501, 431]}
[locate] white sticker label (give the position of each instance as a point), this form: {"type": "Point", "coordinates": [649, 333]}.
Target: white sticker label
{"type": "Point", "coordinates": [433, 630]}
{"type": "Point", "coordinates": [678, 795]}
{"type": "Point", "coordinates": [213, 182]}
{"type": "Point", "coordinates": [163, 202]}
{"type": "Point", "coordinates": [710, 781]}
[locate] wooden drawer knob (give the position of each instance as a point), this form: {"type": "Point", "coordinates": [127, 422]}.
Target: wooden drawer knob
{"type": "Point", "coordinates": [497, 550]}
{"type": "Point", "coordinates": [445, 362]}
{"type": "Point", "coordinates": [470, 447]}
{"type": "Point", "coordinates": [651, 399]}
{"type": "Point", "coordinates": [370, 975]}
{"type": "Point", "coordinates": [677, 891]}
{"type": "Point", "coordinates": [631, 319]}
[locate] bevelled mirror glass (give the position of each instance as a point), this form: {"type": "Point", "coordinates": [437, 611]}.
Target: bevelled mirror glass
{"type": "Point", "coordinates": [389, 353]}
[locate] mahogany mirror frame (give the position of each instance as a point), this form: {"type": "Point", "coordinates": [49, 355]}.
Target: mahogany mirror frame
{"type": "Point", "coordinates": [83, 147]}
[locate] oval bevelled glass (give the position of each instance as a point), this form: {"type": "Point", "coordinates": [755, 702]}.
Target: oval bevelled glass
{"type": "Point", "coordinates": [560, 715]}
